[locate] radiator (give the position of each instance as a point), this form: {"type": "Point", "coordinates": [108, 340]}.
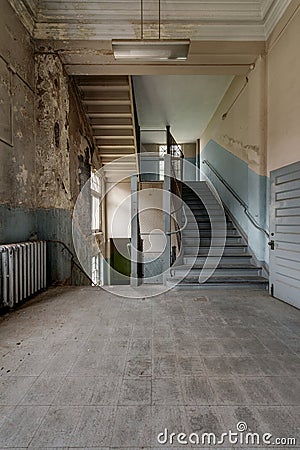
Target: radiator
{"type": "Point", "coordinates": [23, 271]}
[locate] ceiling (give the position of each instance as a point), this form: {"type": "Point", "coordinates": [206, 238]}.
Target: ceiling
{"type": "Point", "coordinates": [226, 36]}
{"type": "Point", "coordinates": [184, 102]}
{"type": "Point", "coordinates": [194, 19]}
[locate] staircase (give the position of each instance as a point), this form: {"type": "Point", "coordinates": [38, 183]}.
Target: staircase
{"type": "Point", "coordinates": [109, 106]}
{"type": "Point", "coordinates": [234, 269]}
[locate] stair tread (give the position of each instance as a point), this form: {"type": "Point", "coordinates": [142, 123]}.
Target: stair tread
{"type": "Point", "coordinates": [221, 266]}
{"type": "Point", "coordinates": [216, 279]}
{"type": "Point", "coordinates": [232, 244]}
{"type": "Point", "coordinates": [237, 255]}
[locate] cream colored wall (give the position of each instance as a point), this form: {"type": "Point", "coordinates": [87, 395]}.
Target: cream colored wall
{"type": "Point", "coordinates": [243, 131]}
{"type": "Point", "coordinates": [284, 97]}
{"type": "Point", "coordinates": [189, 150]}
{"type": "Point", "coordinates": [151, 215]}
{"type": "Point", "coordinates": [118, 208]}
{"type": "Point", "coordinates": [262, 127]}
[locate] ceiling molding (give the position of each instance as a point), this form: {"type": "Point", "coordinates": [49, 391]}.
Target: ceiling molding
{"type": "Point", "coordinates": [224, 20]}
{"type": "Point", "coordinates": [107, 31]}
{"type": "Point", "coordinates": [265, 8]}
{"type": "Point", "coordinates": [27, 13]}
{"type": "Point", "coordinates": [274, 15]}
{"type": "Point", "coordinates": [156, 69]}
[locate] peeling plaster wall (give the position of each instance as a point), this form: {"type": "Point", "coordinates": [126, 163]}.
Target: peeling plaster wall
{"type": "Point", "coordinates": [62, 143]}
{"type": "Point", "coordinates": [44, 166]}
{"type": "Point", "coordinates": [17, 138]}
{"type": "Point", "coordinates": [52, 148]}
{"type": "Point", "coordinates": [236, 148]}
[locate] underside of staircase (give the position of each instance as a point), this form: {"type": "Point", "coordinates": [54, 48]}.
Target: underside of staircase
{"type": "Point", "coordinates": [109, 106]}
{"type": "Point", "coordinates": [236, 268]}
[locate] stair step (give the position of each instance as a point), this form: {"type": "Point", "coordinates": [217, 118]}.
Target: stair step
{"type": "Point", "coordinates": [111, 121]}
{"type": "Point", "coordinates": [110, 115]}
{"type": "Point", "coordinates": [116, 147]}
{"type": "Point", "coordinates": [106, 102]}
{"type": "Point", "coordinates": [228, 250]}
{"type": "Point", "coordinates": [97, 95]}
{"type": "Point", "coordinates": [194, 233]}
{"type": "Point", "coordinates": [194, 195]}
{"type": "Point", "coordinates": [254, 283]}
{"type": "Point", "coordinates": [206, 226]}
{"type": "Point", "coordinates": [241, 259]}
{"type": "Point", "coordinates": [222, 279]}
{"type": "Point", "coordinates": [203, 210]}
{"type": "Point", "coordinates": [108, 109]}
{"type": "Point", "coordinates": [205, 241]}
{"type": "Point", "coordinates": [102, 80]}
{"type": "Point", "coordinates": [202, 198]}
{"type": "Point", "coordinates": [114, 141]}
{"type": "Point", "coordinates": [117, 128]}
{"type": "Point", "coordinates": [194, 272]}
{"type": "Point", "coordinates": [104, 88]}
{"type": "Point", "coordinates": [112, 131]}
{"type": "Point", "coordinates": [218, 217]}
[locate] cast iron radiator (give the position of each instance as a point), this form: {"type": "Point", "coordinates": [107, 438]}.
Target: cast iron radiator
{"type": "Point", "coordinates": [22, 270]}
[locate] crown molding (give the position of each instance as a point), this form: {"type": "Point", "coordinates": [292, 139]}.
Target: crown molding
{"type": "Point", "coordinates": [275, 13]}
{"type": "Point", "coordinates": [209, 28]}
{"type": "Point", "coordinates": [265, 8]}
{"type": "Point", "coordinates": [26, 10]}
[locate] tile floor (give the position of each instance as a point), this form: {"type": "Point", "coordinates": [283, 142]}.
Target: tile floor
{"type": "Point", "coordinates": [82, 368]}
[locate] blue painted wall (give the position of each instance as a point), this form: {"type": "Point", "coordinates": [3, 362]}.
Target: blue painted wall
{"type": "Point", "coordinates": [251, 187]}
{"type": "Point", "coordinates": [189, 170]}
{"type": "Point", "coordinates": [17, 224]}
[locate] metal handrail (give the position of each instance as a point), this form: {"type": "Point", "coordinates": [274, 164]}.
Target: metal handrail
{"type": "Point", "coordinates": [171, 232]}
{"type": "Point", "coordinates": [73, 260]}
{"type": "Point", "coordinates": [183, 227]}
{"type": "Point", "coordinates": [238, 198]}
{"type": "Point", "coordinates": [171, 145]}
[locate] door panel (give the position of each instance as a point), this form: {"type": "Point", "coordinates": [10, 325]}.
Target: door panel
{"type": "Point", "coordinates": [285, 232]}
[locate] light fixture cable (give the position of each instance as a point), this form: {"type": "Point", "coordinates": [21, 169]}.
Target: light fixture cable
{"type": "Point", "coordinates": [142, 20]}
{"type": "Point", "coordinates": [224, 116]}
{"type": "Point", "coordinates": [159, 19]}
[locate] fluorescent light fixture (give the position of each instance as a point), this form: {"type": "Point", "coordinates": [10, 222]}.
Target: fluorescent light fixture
{"type": "Point", "coordinates": [151, 49]}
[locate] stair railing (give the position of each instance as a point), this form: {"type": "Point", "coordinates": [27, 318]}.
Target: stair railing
{"type": "Point", "coordinates": [173, 185]}
{"type": "Point", "coordinates": [238, 198]}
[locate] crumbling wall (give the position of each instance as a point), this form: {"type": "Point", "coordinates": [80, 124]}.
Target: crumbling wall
{"type": "Point", "coordinates": [52, 126]}
{"type": "Point", "coordinates": [44, 143]}
{"type": "Point", "coordinates": [63, 143]}
{"type": "Point", "coordinates": [17, 137]}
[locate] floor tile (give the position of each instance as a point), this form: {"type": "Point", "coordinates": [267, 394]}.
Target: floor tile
{"type": "Point", "coordinates": [228, 391]}
{"type": "Point", "coordinates": [94, 428]}
{"type": "Point", "coordinates": [138, 367]}
{"type": "Point", "coordinates": [167, 391]}
{"type": "Point", "coordinates": [164, 366]}
{"type": "Point", "coordinates": [197, 391]}
{"type": "Point", "coordinates": [190, 365]}
{"type": "Point", "coordinates": [57, 427]}
{"type": "Point", "coordinates": [43, 391]}
{"type": "Point", "coordinates": [13, 389]}
{"type": "Point", "coordinates": [133, 427]}
{"type": "Point", "coordinates": [20, 426]}
{"type": "Point", "coordinates": [135, 392]}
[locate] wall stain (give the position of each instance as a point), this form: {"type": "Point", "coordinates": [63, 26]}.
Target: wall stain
{"type": "Point", "coordinates": [248, 152]}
